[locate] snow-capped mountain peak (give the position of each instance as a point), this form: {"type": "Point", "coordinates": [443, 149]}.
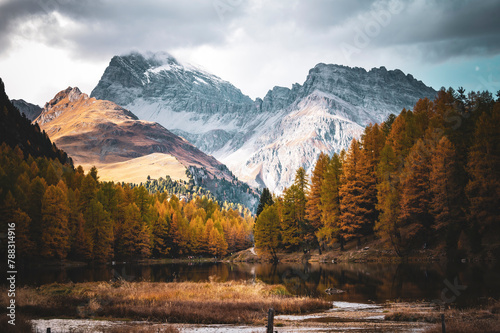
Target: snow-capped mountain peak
{"type": "Point", "coordinates": [263, 141]}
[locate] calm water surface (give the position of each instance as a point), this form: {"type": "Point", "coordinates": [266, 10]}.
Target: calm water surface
{"type": "Point", "coordinates": [464, 284]}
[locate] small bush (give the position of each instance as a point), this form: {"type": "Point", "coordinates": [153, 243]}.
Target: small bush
{"type": "Point", "coordinates": [279, 291]}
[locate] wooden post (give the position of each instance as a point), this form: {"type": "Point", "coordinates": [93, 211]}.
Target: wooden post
{"type": "Point", "coordinates": [270, 321]}
{"type": "Point", "coordinates": [443, 325]}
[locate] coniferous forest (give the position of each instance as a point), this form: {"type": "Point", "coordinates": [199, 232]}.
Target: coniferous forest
{"type": "Point", "coordinates": [428, 178]}
{"type": "Point", "coordinates": [62, 212]}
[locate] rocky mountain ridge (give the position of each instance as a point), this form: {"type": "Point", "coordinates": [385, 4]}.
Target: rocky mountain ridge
{"type": "Point", "coordinates": [263, 141]}
{"type": "Point", "coordinates": [101, 133]}
{"type": "Point", "coordinates": [31, 111]}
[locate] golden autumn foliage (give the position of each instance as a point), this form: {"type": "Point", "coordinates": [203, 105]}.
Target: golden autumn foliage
{"type": "Point", "coordinates": [426, 178]}
{"type": "Point", "coordinates": [61, 212]}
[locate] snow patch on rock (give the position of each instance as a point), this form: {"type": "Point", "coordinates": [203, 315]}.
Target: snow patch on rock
{"type": "Point", "coordinates": [263, 141]}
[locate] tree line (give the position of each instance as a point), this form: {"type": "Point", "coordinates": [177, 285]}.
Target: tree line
{"type": "Point", "coordinates": [429, 177]}
{"type": "Point", "coordinates": [61, 212]}
{"type": "Point", "coordinates": [188, 190]}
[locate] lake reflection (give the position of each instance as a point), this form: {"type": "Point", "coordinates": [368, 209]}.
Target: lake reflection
{"type": "Point", "coordinates": [362, 282]}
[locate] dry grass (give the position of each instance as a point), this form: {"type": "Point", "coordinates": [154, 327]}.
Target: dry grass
{"type": "Point", "coordinates": [469, 321]}
{"type": "Point", "coordinates": [186, 302]}
{"type": "Point", "coordinates": [135, 170]}
{"type": "Point", "coordinates": [410, 316]}
{"type": "Point", "coordinates": [484, 319]}
{"type": "Point", "coordinates": [413, 312]}
{"type": "Point", "coordinates": [169, 329]}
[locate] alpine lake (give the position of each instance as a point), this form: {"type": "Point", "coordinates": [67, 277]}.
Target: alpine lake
{"type": "Point", "coordinates": [463, 284]}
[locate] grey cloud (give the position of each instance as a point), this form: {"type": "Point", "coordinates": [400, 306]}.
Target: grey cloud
{"type": "Point", "coordinates": [312, 16]}
{"type": "Point", "coordinates": [440, 51]}
{"type": "Point", "coordinates": [439, 29]}
{"type": "Point", "coordinates": [11, 13]}
{"type": "Point", "coordinates": [450, 20]}
{"type": "Point", "coordinates": [119, 25]}
{"type": "Point", "coordinates": [321, 14]}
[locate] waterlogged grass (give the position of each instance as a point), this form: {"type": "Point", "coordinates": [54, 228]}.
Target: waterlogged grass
{"type": "Point", "coordinates": [432, 317]}
{"type": "Point", "coordinates": [169, 329]}
{"type": "Point", "coordinates": [185, 302]}
{"type": "Point", "coordinates": [483, 319]}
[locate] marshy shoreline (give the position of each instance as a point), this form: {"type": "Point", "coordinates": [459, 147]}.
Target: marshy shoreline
{"type": "Point", "coordinates": [177, 302]}
{"type": "Point", "coordinates": [213, 306]}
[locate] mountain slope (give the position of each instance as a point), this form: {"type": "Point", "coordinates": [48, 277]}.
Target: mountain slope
{"type": "Point", "coordinates": [189, 101]}
{"type": "Point", "coordinates": [31, 111]}
{"type": "Point", "coordinates": [101, 133]}
{"type": "Point", "coordinates": [264, 141]}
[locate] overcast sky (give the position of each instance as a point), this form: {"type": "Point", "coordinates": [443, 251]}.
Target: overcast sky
{"type": "Point", "coordinates": [48, 45]}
